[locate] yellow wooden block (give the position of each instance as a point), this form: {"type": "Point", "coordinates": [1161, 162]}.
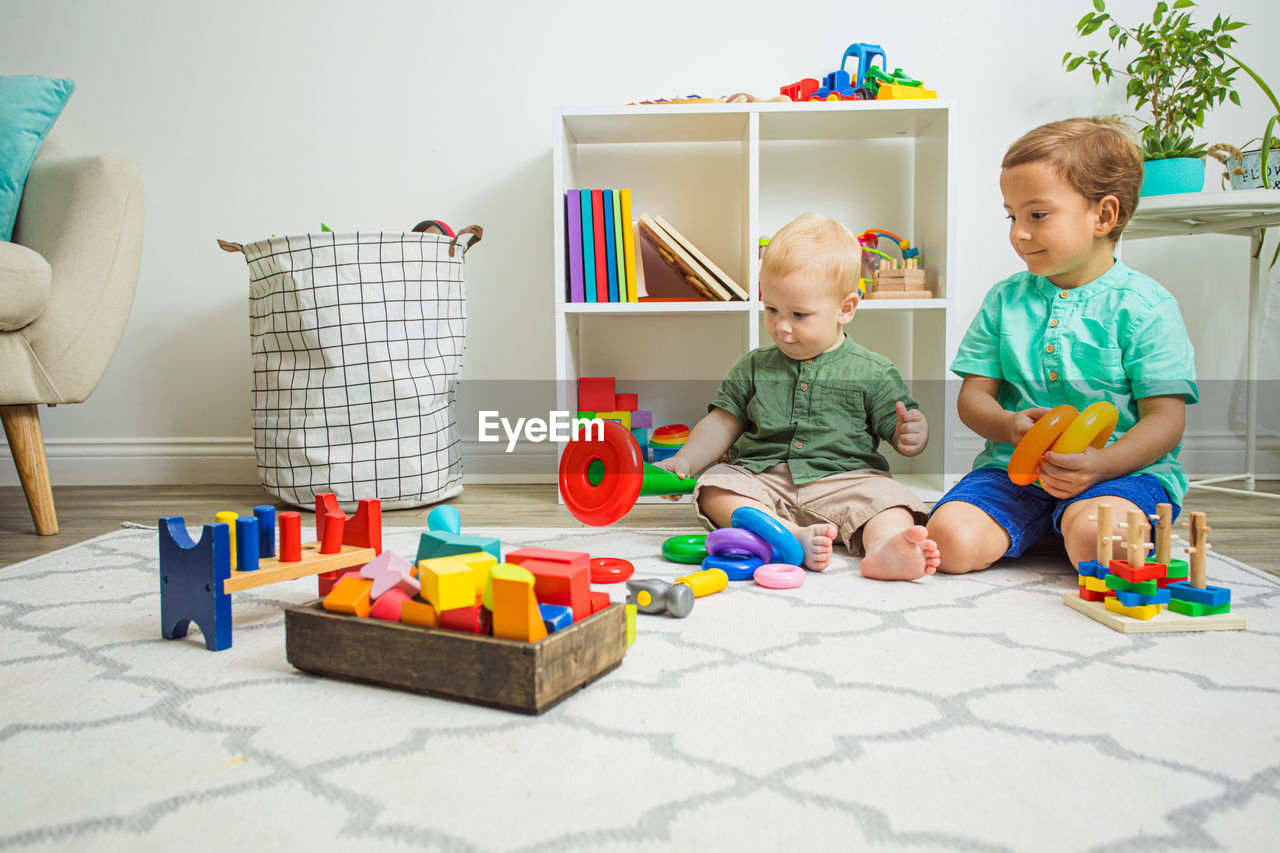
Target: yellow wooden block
{"type": "Point", "coordinates": [623, 418]}
{"type": "Point", "coordinates": [414, 612]}
{"type": "Point", "coordinates": [350, 595]}
{"type": "Point", "coordinates": [478, 563]}
{"type": "Point", "coordinates": [229, 519]}
{"type": "Point", "coordinates": [631, 623]}
{"type": "Point", "coordinates": [1142, 611]}
{"type": "Point", "coordinates": [1093, 584]}
{"type": "Point", "coordinates": [515, 609]}
{"type": "Point", "coordinates": [447, 583]}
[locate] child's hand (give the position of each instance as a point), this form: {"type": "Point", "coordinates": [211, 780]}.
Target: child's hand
{"type": "Point", "coordinates": [1065, 475]}
{"type": "Point", "coordinates": [1023, 422]}
{"type": "Point", "coordinates": [677, 466]}
{"type": "Point", "coordinates": [912, 431]}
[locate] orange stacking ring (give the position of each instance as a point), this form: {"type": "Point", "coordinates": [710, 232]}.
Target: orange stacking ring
{"type": "Point", "coordinates": [1041, 436]}
{"type": "Point", "coordinates": [1093, 426]}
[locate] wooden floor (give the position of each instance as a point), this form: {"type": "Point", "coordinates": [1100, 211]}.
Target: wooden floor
{"type": "Point", "coordinates": [1244, 528]}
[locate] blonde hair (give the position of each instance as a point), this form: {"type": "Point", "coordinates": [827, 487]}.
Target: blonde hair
{"type": "Point", "coordinates": [1097, 157]}
{"type": "Point", "coordinates": [824, 248]}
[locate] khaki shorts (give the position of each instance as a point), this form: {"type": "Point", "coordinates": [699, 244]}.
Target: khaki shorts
{"type": "Point", "coordinates": [847, 500]}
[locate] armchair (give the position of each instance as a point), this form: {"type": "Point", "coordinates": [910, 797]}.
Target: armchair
{"type": "Point", "coordinates": [66, 289]}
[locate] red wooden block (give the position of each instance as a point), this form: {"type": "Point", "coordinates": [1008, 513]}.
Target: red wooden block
{"type": "Point", "coordinates": [1148, 572]}
{"type": "Point", "coordinates": [326, 581]}
{"type": "Point", "coordinates": [364, 529]}
{"type": "Point", "coordinates": [549, 555]}
{"type": "Point", "coordinates": [596, 394]}
{"type": "Point", "coordinates": [389, 605]}
{"type": "Point", "coordinates": [599, 601]}
{"type": "Point", "coordinates": [561, 583]}
{"type": "Point", "coordinates": [469, 620]}
{"type": "Point", "coordinates": [625, 403]}
{"type": "Point", "coordinates": [1090, 595]}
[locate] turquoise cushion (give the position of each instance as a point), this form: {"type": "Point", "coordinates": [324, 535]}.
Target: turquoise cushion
{"type": "Point", "coordinates": [29, 105]}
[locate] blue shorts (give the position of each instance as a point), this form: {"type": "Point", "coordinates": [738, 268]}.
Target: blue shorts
{"type": "Point", "coordinates": [1029, 513]}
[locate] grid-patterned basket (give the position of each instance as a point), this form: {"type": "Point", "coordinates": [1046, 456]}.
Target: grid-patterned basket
{"type": "Point", "coordinates": [357, 345]}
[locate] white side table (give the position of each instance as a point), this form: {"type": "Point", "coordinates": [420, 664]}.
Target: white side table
{"type": "Point", "coordinates": [1244, 213]}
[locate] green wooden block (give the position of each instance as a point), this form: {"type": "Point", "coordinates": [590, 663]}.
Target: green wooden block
{"type": "Point", "coordinates": [1195, 608]}
{"type": "Point", "coordinates": [1178, 569]}
{"type": "Point", "coordinates": [1140, 587]}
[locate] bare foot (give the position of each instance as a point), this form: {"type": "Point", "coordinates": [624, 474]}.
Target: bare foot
{"type": "Point", "coordinates": [904, 556]}
{"type": "Point", "coordinates": [817, 541]}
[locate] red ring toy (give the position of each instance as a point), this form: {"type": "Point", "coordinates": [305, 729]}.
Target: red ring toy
{"type": "Point", "coordinates": [610, 569]}
{"type": "Point", "coordinates": [604, 503]}
{"type": "Point", "coordinates": [1041, 436]}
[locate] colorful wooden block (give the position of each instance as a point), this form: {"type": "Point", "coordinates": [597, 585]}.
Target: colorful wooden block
{"type": "Point", "coordinates": [442, 543]}
{"type": "Point", "coordinates": [1144, 612]}
{"type": "Point", "coordinates": [642, 419]}
{"type": "Point", "coordinates": [1177, 569]}
{"type": "Point", "coordinates": [390, 571]}
{"type": "Point", "coordinates": [562, 583]}
{"type": "Point", "coordinates": [445, 518]}
{"type": "Point", "coordinates": [1147, 572]}
{"type": "Point", "coordinates": [420, 613]}
{"type": "Point", "coordinates": [1093, 569]}
{"type": "Point", "coordinates": [1138, 599]}
{"type": "Point", "coordinates": [363, 530]}
{"type": "Point", "coordinates": [623, 418]}
{"type": "Point", "coordinates": [599, 601]}
{"type": "Point", "coordinates": [390, 605]}
{"type": "Point", "coordinates": [626, 402]}
{"type": "Point", "coordinates": [549, 555]}
{"type": "Point", "coordinates": [350, 595]}
{"type": "Point", "coordinates": [1210, 596]}
{"type": "Point", "coordinates": [597, 393]}
{"type": "Point", "coordinates": [1141, 588]}
{"type": "Point", "coordinates": [1196, 609]}
{"type": "Point", "coordinates": [470, 620]}
{"type": "Point", "coordinates": [515, 609]}
{"type": "Point", "coordinates": [447, 583]}
{"type": "Point", "coordinates": [1093, 595]}
{"type": "Point", "coordinates": [1094, 584]}
{"type": "Point", "coordinates": [631, 623]}
{"type": "Point", "coordinates": [555, 616]}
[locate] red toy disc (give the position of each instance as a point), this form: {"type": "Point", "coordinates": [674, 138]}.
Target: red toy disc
{"type": "Point", "coordinates": [610, 569]}
{"type": "Point", "coordinates": [611, 498]}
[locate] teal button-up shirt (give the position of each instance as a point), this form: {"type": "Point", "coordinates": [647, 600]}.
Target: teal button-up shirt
{"type": "Point", "coordinates": [823, 415]}
{"type": "Point", "coordinates": [1119, 338]}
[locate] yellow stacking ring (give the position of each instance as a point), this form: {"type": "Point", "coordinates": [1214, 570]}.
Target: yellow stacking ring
{"type": "Point", "coordinates": [1062, 430]}
{"type": "Point", "coordinates": [1093, 426]}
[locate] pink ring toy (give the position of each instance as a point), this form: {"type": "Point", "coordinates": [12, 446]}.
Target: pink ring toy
{"type": "Point", "coordinates": [779, 576]}
{"type": "Point", "coordinates": [735, 540]}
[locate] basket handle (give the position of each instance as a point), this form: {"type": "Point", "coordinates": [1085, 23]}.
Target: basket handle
{"type": "Point", "coordinates": [228, 246]}
{"type": "Point", "coordinates": [475, 231]}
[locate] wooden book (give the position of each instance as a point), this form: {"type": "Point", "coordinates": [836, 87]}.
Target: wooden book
{"type": "Point", "coordinates": [658, 276]}
{"type": "Point", "coordinates": [729, 284]}
{"type": "Point", "coordinates": [674, 254]}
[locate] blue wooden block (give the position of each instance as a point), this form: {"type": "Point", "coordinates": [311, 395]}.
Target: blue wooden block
{"type": "Point", "coordinates": [246, 544]}
{"type": "Point", "coordinates": [266, 516]}
{"type": "Point", "coordinates": [1093, 569]}
{"type": "Point", "coordinates": [1137, 599]}
{"type": "Point", "coordinates": [442, 543]}
{"type": "Point", "coordinates": [445, 519]}
{"type": "Point", "coordinates": [556, 616]}
{"type": "Point", "coordinates": [191, 576]}
{"type": "Point", "coordinates": [1210, 596]}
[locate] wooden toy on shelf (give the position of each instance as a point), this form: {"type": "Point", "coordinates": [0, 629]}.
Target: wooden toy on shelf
{"type": "Point", "coordinates": [1136, 596]}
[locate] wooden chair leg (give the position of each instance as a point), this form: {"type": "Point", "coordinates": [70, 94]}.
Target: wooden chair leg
{"type": "Point", "coordinates": [26, 442]}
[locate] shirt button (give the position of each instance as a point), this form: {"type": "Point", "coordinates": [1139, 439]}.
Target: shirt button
{"type": "Point", "coordinates": [804, 386]}
{"type": "Point", "coordinates": [1053, 376]}
{"type": "Point", "coordinates": [808, 361]}
{"type": "Point", "coordinates": [1064, 295]}
{"type": "Point", "coordinates": [1053, 323]}
{"type": "Point", "coordinates": [1049, 348]}
{"type": "Point", "coordinates": [799, 445]}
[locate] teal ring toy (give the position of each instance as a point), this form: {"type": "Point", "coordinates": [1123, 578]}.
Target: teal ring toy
{"type": "Point", "coordinates": [739, 567]}
{"type": "Point", "coordinates": [786, 548]}
{"type": "Point", "coordinates": [685, 549]}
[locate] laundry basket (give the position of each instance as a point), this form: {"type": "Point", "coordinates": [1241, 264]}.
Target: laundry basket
{"type": "Point", "coordinates": [357, 344]}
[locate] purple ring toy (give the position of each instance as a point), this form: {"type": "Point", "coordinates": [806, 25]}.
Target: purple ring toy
{"type": "Point", "coordinates": [737, 540]}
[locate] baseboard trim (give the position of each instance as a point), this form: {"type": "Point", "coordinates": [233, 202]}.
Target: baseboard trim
{"type": "Point", "coordinates": [230, 461]}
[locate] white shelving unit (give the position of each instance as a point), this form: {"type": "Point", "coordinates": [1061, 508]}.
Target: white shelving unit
{"type": "Point", "coordinates": [726, 175]}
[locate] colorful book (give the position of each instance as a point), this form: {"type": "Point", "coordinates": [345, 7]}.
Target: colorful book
{"type": "Point", "coordinates": [674, 254]}
{"type": "Point", "coordinates": [619, 248]}
{"type": "Point", "coordinates": [728, 283]}
{"type": "Point", "coordinates": [588, 249]}
{"type": "Point", "coordinates": [597, 224]}
{"type": "Point", "coordinates": [610, 245]}
{"type": "Point", "coordinates": [629, 246]}
{"type": "Point", "coordinates": [573, 245]}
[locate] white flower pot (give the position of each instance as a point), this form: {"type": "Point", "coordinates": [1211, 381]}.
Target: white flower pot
{"type": "Point", "coordinates": [1252, 177]}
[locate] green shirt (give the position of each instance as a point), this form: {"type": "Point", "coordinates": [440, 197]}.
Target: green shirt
{"type": "Point", "coordinates": [1119, 338]}
{"type": "Point", "coordinates": [823, 415]}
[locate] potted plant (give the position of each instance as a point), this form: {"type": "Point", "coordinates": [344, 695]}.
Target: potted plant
{"type": "Point", "coordinates": [1253, 169]}
{"type": "Point", "coordinates": [1179, 72]}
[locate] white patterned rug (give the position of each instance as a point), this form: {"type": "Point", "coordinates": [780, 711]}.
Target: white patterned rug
{"type": "Point", "coordinates": [954, 713]}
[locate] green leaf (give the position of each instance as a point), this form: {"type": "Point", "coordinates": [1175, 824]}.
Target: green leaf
{"type": "Point", "coordinates": [1083, 22]}
{"type": "Point", "coordinates": [1100, 5]}
{"type": "Point", "coordinates": [1091, 27]}
{"type": "Point", "coordinates": [1158, 14]}
{"type": "Point", "coordinates": [1182, 4]}
{"type": "Point", "coordinates": [1075, 63]}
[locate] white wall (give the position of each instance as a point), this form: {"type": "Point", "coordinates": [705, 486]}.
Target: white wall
{"type": "Point", "coordinates": [259, 118]}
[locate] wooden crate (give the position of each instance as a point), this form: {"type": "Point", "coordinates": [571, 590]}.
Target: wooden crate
{"type": "Point", "coordinates": [508, 674]}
